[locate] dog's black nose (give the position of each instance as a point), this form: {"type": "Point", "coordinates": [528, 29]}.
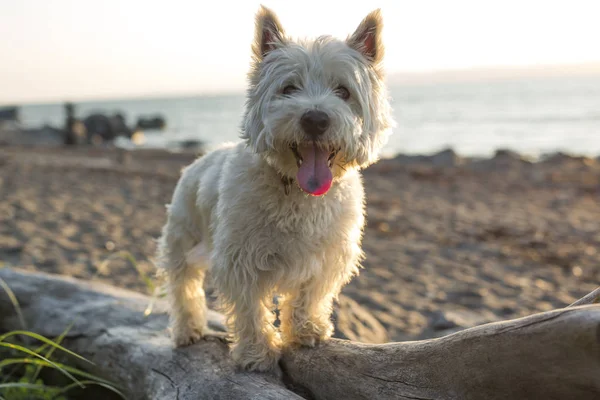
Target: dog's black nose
{"type": "Point", "coordinates": [314, 122]}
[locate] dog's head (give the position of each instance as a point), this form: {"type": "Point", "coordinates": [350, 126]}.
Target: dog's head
{"type": "Point", "coordinates": [317, 108]}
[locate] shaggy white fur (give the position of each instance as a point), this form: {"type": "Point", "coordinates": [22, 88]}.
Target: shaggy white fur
{"type": "Point", "coordinates": [283, 211]}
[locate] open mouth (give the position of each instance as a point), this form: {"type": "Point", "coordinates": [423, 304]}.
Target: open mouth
{"type": "Point", "coordinates": [314, 167]}
{"type": "Point", "coordinates": [300, 160]}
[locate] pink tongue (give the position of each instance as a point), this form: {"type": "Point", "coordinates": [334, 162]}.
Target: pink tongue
{"type": "Point", "coordinates": [314, 175]}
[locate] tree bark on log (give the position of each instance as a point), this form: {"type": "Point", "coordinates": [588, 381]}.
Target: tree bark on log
{"type": "Point", "coordinates": [551, 355]}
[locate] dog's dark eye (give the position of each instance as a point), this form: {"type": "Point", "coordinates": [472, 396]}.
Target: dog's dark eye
{"type": "Point", "coordinates": [342, 93]}
{"type": "Point", "coordinates": [290, 90]}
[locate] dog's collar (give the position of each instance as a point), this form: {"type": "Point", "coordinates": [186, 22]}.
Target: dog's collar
{"type": "Point", "coordinates": [287, 184]}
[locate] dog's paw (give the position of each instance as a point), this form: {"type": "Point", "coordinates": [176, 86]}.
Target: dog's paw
{"type": "Point", "coordinates": [257, 358]}
{"type": "Point", "coordinates": [309, 340]}
{"type": "Point", "coordinates": [187, 337]}
{"type": "Point", "coordinates": [308, 334]}
{"type": "Point", "coordinates": [211, 335]}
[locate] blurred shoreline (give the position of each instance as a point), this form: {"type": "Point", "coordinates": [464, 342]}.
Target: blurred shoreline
{"type": "Point", "coordinates": [530, 116]}
{"type": "Point", "coordinates": [49, 139]}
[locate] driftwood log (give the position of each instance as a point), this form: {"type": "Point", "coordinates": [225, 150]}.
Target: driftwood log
{"type": "Point", "coordinates": [551, 355]}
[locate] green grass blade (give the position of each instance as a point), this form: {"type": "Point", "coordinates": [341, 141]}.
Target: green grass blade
{"type": "Point", "coordinates": [14, 301]}
{"type": "Point", "coordinates": [32, 353]}
{"type": "Point", "coordinates": [41, 339]}
{"type": "Point", "coordinates": [42, 363]}
{"type": "Point", "coordinates": [58, 341]}
{"type": "Point", "coordinates": [11, 361]}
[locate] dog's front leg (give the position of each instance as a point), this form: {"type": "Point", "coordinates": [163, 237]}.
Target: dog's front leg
{"type": "Point", "coordinates": [305, 313]}
{"type": "Point", "coordinates": [257, 343]}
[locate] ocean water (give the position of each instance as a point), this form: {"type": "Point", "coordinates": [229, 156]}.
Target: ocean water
{"type": "Point", "coordinates": [532, 116]}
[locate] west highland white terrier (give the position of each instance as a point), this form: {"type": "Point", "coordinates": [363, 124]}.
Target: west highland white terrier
{"type": "Point", "coordinates": [282, 211]}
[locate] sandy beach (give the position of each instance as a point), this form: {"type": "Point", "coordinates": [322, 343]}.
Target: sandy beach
{"type": "Point", "coordinates": [450, 242]}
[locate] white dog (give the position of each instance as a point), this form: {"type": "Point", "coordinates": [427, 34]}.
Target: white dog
{"type": "Point", "coordinates": [283, 211]}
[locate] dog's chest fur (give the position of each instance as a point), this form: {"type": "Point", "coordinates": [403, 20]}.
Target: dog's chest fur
{"type": "Point", "coordinates": [252, 220]}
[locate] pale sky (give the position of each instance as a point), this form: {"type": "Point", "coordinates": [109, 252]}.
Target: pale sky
{"type": "Point", "coordinates": [78, 49]}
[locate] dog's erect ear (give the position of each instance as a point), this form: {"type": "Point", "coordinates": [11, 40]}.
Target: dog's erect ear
{"type": "Point", "coordinates": [269, 33]}
{"type": "Point", "coordinates": [367, 37]}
